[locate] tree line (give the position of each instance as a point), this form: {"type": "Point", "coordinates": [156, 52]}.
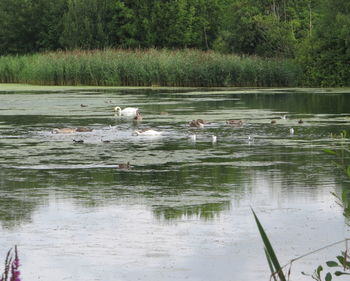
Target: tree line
{"type": "Point", "coordinates": [316, 33]}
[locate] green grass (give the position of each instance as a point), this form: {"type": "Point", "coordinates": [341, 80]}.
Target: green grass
{"type": "Point", "coordinates": [177, 68]}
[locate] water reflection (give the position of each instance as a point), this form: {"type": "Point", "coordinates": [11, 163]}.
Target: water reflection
{"type": "Point", "coordinates": [172, 181]}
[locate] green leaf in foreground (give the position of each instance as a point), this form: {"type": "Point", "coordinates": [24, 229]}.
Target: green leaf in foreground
{"type": "Point", "coordinates": [318, 271]}
{"type": "Point", "coordinates": [329, 151]}
{"type": "Point", "coordinates": [270, 253]}
{"type": "Point", "coordinates": [338, 273]}
{"type": "Point", "coordinates": [328, 276]}
{"type": "Point", "coordinates": [343, 262]}
{"type": "Point", "coordinates": [332, 263]}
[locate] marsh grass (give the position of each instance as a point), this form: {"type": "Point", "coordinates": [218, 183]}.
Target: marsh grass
{"type": "Point", "coordinates": [341, 262]}
{"type": "Point", "coordinates": [117, 67]}
{"type": "Point", "coordinates": [11, 270]}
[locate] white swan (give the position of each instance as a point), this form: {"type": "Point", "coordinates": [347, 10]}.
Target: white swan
{"type": "Point", "coordinates": [147, 132]}
{"type": "Point", "coordinates": [291, 131]}
{"type": "Point", "coordinates": [214, 139]}
{"type": "Point", "coordinates": [127, 111]}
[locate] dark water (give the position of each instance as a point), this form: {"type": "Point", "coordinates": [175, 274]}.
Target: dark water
{"type": "Point", "coordinates": [182, 211]}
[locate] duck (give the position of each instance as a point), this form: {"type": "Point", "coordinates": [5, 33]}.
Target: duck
{"type": "Point", "coordinates": [146, 132]}
{"type": "Point", "coordinates": [83, 129]}
{"type": "Point", "coordinates": [138, 116]}
{"type": "Point", "coordinates": [78, 141]}
{"type": "Point", "coordinates": [83, 105]}
{"type": "Point", "coordinates": [124, 165]}
{"type": "Point", "coordinates": [300, 121]}
{"type": "Point", "coordinates": [127, 111]}
{"type": "Point", "coordinates": [234, 122]}
{"type": "Point", "coordinates": [199, 123]}
{"type": "Point", "coordinates": [64, 130]}
{"type": "Point", "coordinates": [273, 122]}
{"type": "Point", "coordinates": [70, 130]}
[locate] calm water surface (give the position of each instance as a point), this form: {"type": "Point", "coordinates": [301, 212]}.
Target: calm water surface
{"type": "Point", "coordinates": [182, 211]}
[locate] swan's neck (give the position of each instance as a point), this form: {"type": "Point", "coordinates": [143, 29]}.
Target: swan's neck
{"type": "Point", "coordinates": [118, 110]}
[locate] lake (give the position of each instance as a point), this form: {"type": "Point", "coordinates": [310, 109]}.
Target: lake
{"type": "Point", "coordinates": [182, 211]}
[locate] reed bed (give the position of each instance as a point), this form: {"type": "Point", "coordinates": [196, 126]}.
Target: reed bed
{"type": "Point", "coordinates": [171, 68]}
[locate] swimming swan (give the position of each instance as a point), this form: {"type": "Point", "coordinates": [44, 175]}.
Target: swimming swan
{"type": "Point", "coordinates": [127, 111]}
{"type": "Point", "coordinates": [146, 132]}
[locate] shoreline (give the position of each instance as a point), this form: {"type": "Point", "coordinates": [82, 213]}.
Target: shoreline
{"type": "Point", "coordinates": [14, 87]}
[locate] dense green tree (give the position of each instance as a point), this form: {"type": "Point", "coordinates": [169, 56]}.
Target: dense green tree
{"type": "Point", "coordinates": [122, 27]}
{"type": "Point", "coordinates": [86, 23]}
{"type": "Point", "coordinates": [316, 31]}
{"type": "Point", "coordinates": [30, 26]}
{"type": "Point", "coordinates": [326, 54]}
{"type": "Point", "coordinates": [257, 27]}
{"type": "Point", "coordinates": [14, 34]}
{"type": "Point", "coordinates": [208, 21]}
{"type": "Point", "coordinates": [174, 24]}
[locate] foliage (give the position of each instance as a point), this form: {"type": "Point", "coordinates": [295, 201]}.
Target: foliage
{"type": "Point", "coordinates": [276, 270]}
{"type": "Point", "coordinates": [11, 271]}
{"type": "Point", "coordinates": [326, 54]}
{"type": "Point", "coordinates": [342, 263]}
{"type": "Point", "coordinates": [147, 68]}
{"type": "Point", "coordinates": [316, 33]}
{"type": "Point", "coordinates": [253, 28]}
{"type": "Point", "coordinates": [243, 26]}
{"type": "Point", "coordinates": [341, 151]}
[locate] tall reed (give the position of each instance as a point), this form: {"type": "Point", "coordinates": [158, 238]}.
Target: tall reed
{"type": "Point", "coordinates": [120, 67]}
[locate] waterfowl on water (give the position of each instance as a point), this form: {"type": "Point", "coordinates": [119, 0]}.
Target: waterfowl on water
{"type": "Point", "coordinates": [124, 165]}
{"type": "Point", "coordinates": [291, 131]}
{"type": "Point", "coordinates": [214, 139]}
{"type": "Point", "coordinates": [127, 111]}
{"type": "Point", "coordinates": [284, 117]}
{"type": "Point", "coordinates": [78, 141]}
{"type": "Point", "coordinates": [70, 130]}
{"type": "Point", "coordinates": [234, 122]}
{"type": "Point", "coordinates": [64, 130]}
{"type": "Point", "coordinates": [138, 116]}
{"type": "Point", "coordinates": [83, 129]}
{"type": "Point", "coordinates": [300, 121]}
{"type": "Point", "coordinates": [146, 132]}
{"type": "Point", "coordinates": [83, 105]}
{"type": "Point", "coordinates": [199, 123]}
{"type": "Point", "coordinates": [273, 122]}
